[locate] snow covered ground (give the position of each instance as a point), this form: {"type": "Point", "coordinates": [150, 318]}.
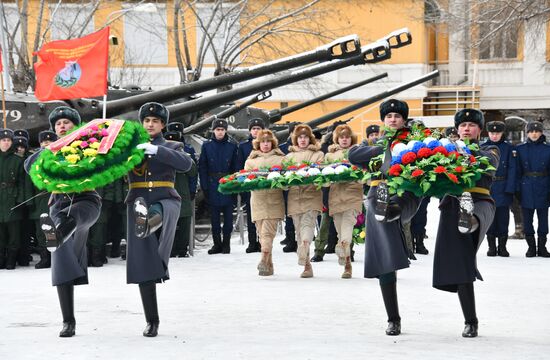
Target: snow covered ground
{"type": "Point", "coordinates": [217, 307]}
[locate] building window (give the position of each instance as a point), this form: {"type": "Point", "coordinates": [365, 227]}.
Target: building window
{"type": "Point", "coordinates": [498, 41]}
{"type": "Point", "coordinates": [222, 26]}
{"type": "Point", "coordinates": [146, 37]}
{"type": "Point", "coordinates": [69, 21]}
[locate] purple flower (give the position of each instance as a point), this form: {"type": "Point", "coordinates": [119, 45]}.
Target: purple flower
{"type": "Point", "coordinates": [360, 219]}
{"type": "Point", "coordinates": [84, 144]}
{"type": "Point", "coordinates": [92, 140]}
{"type": "Point", "coordinates": [104, 132]}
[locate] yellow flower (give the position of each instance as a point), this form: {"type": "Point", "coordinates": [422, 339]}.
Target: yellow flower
{"type": "Point", "coordinates": [72, 158]}
{"type": "Point", "coordinates": [362, 234]}
{"type": "Point", "coordinates": [107, 123]}
{"type": "Point", "coordinates": [89, 152]}
{"type": "Point", "coordinates": [68, 149]}
{"type": "Point", "coordinates": [76, 143]}
{"type": "Point", "coordinates": [95, 145]}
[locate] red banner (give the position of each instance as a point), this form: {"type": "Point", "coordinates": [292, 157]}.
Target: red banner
{"type": "Point", "coordinates": [72, 69]}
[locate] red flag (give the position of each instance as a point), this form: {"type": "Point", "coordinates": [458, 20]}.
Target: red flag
{"type": "Point", "coordinates": [71, 69]}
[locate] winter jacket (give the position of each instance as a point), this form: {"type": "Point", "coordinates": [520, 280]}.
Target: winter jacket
{"type": "Point", "coordinates": [533, 173]}
{"type": "Point", "coordinates": [343, 196]}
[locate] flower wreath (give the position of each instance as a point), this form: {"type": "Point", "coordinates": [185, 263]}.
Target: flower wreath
{"type": "Point", "coordinates": [427, 166]}
{"type": "Point", "coordinates": [91, 156]}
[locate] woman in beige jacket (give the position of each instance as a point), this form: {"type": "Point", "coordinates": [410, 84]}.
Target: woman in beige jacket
{"type": "Point", "coordinates": [267, 206]}
{"type": "Point", "coordinates": [345, 200]}
{"type": "Point", "coordinates": [305, 203]}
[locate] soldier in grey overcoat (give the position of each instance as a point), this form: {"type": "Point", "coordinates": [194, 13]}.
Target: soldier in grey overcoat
{"type": "Point", "coordinates": [385, 247]}
{"type": "Point", "coordinates": [463, 223]}
{"type": "Point", "coordinates": [153, 207]}
{"type": "Point", "coordinates": [70, 217]}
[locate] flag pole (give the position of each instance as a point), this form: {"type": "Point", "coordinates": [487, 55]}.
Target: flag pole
{"type": "Point", "coordinates": [4, 115]}
{"type": "Point", "coordinates": [105, 107]}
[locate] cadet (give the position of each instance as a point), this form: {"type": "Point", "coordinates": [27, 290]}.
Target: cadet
{"type": "Point", "coordinates": [451, 133]}
{"type": "Point", "coordinates": [373, 134]}
{"type": "Point", "coordinates": [463, 223]}
{"type": "Point", "coordinates": [218, 158]}
{"type": "Point", "coordinates": [12, 193]}
{"type": "Point", "coordinates": [186, 186]}
{"type": "Point", "coordinates": [68, 222]}
{"type": "Point", "coordinates": [21, 146]}
{"type": "Point", "coordinates": [40, 206]}
{"type": "Point", "coordinates": [245, 148]}
{"type": "Point", "coordinates": [502, 190]}
{"type": "Point", "coordinates": [533, 168]}
{"type": "Point", "coordinates": [153, 211]}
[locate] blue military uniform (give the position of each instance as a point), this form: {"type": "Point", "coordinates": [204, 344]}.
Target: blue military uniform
{"type": "Point", "coordinates": [533, 184]}
{"type": "Point", "coordinates": [502, 191]}
{"type": "Point", "coordinates": [218, 158]}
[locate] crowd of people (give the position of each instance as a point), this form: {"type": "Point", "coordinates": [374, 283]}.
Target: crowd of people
{"type": "Point", "coordinates": [153, 204]}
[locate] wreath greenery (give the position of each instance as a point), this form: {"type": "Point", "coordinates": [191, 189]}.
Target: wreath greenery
{"type": "Point", "coordinates": [77, 168]}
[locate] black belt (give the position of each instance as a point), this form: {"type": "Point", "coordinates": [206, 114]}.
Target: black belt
{"type": "Point", "coordinates": [4, 185]}
{"type": "Point", "coordinates": [218, 174]}
{"type": "Point", "coordinates": [536, 174]}
{"type": "Point", "coordinates": [499, 178]}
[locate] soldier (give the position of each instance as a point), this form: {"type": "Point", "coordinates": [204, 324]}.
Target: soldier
{"type": "Point", "coordinates": [502, 190]}
{"type": "Point", "coordinates": [21, 146]}
{"type": "Point", "coordinates": [373, 134]}
{"type": "Point", "coordinates": [304, 202]}
{"type": "Point", "coordinates": [186, 186]}
{"type": "Point", "coordinates": [12, 193]}
{"type": "Point", "coordinates": [463, 223]}
{"type": "Point", "coordinates": [385, 248]}
{"type": "Point", "coordinates": [451, 133]}
{"type": "Point", "coordinates": [533, 168]}
{"type": "Point", "coordinates": [218, 158]}
{"type": "Point", "coordinates": [99, 232]}
{"type": "Point", "coordinates": [153, 211]}
{"type": "Point", "coordinates": [245, 148]}
{"type": "Point", "coordinates": [70, 217]}
{"type": "Point", "coordinates": [40, 206]}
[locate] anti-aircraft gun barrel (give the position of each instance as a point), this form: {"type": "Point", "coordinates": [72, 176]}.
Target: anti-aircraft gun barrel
{"type": "Point", "coordinates": [277, 114]}
{"type": "Point", "coordinates": [346, 110]}
{"type": "Point", "coordinates": [227, 112]}
{"type": "Point", "coordinates": [341, 48]}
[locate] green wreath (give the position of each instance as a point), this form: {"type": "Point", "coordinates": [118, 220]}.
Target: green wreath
{"type": "Point", "coordinates": [53, 173]}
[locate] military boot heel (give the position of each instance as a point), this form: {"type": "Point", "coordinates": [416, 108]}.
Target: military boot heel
{"type": "Point", "coordinates": [501, 250]}
{"type": "Point", "coordinates": [491, 241]}
{"type": "Point", "coordinates": [467, 223]}
{"type": "Point", "coordinates": [382, 201]}
{"type": "Point", "coordinates": [145, 223]}
{"type": "Point", "coordinates": [541, 247]}
{"type": "Point", "coordinates": [60, 233]}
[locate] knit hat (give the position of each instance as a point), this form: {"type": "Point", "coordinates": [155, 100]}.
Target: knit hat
{"type": "Point", "coordinates": [394, 106]}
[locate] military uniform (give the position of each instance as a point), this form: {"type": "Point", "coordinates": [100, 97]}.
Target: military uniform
{"type": "Point", "coordinates": [99, 232]}
{"type": "Point", "coordinates": [12, 193]}
{"type": "Point", "coordinates": [218, 158]}
{"type": "Point", "coordinates": [533, 185]}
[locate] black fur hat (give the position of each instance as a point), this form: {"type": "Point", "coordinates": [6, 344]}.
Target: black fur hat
{"type": "Point", "coordinates": [154, 109]}
{"type": "Point", "coordinates": [256, 122]}
{"type": "Point", "coordinates": [371, 129]}
{"type": "Point", "coordinates": [64, 112]}
{"type": "Point", "coordinates": [451, 130]}
{"type": "Point", "coordinates": [175, 126]}
{"type": "Point", "coordinates": [219, 123]}
{"type": "Point", "coordinates": [47, 135]}
{"type": "Point", "coordinates": [6, 134]}
{"type": "Point", "coordinates": [395, 106]}
{"type": "Point", "coordinates": [173, 135]}
{"type": "Point", "coordinates": [469, 115]}
{"type": "Point", "coordinates": [20, 141]}
{"type": "Point", "coordinates": [534, 126]}
{"type": "Point", "coordinates": [496, 126]}
{"type": "Point", "coordinates": [21, 132]}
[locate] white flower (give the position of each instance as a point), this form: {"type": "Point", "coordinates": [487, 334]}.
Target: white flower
{"type": "Point", "coordinates": [302, 172]}
{"type": "Point", "coordinates": [429, 140]}
{"type": "Point", "coordinates": [411, 143]}
{"type": "Point", "coordinates": [461, 143]}
{"type": "Point", "coordinates": [340, 169]}
{"type": "Point", "coordinates": [329, 170]}
{"type": "Point", "coordinates": [313, 171]}
{"type": "Point", "coordinates": [398, 148]}
{"type": "Point", "coordinates": [247, 180]}
{"type": "Point", "coordinates": [289, 173]}
{"type": "Point", "coordinates": [273, 175]}
{"type": "Point", "coordinates": [444, 141]}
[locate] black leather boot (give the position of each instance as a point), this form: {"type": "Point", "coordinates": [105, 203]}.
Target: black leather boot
{"type": "Point", "coordinates": [316, 258]}
{"type": "Point", "coordinates": [389, 294]}
{"type": "Point", "coordinates": [419, 244]}
{"type": "Point", "coordinates": [226, 244]}
{"type": "Point", "coordinates": [492, 242]}
{"type": "Point", "coordinates": [541, 247]}
{"type": "Point", "coordinates": [532, 250]}
{"type": "Point", "coordinates": [45, 259]}
{"type": "Point", "coordinates": [96, 258]}
{"type": "Point", "coordinates": [501, 250]}
{"type": "Point", "coordinates": [148, 292]}
{"type": "Point", "coordinates": [2, 258]}
{"type": "Point", "coordinates": [253, 244]}
{"type": "Point", "coordinates": [467, 222]}
{"type": "Point", "coordinates": [468, 304]}
{"type": "Point", "coordinates": [291, 245]}
{"type": "Point", "coordinates": [66, 302]}
{"type": "Point", "coordinates": [217, 248]}
{"type": "Point", "coordinates": [11, 259]}
{"type": "Point", "coordinates": [59, 233]}
{"type": "Point", "coordinates": [146, 223]}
